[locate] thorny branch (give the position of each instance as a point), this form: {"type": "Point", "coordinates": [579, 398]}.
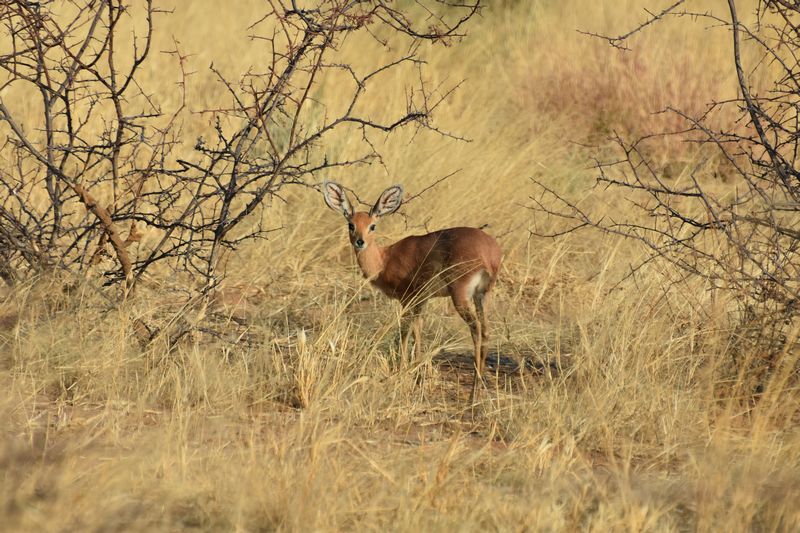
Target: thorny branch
{"type": "Point", "coordinates": [93, 166]}
{"type": "Point", "coordinates": [743, 239]}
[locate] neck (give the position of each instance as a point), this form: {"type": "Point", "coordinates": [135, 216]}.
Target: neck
{"type": "Point", "coordinates": [371, 260]}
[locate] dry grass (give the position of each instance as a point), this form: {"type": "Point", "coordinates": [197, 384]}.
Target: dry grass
{"type": "Point", "coordinates": [288, 408]}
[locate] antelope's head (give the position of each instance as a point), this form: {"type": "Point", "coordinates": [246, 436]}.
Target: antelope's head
{"type": "Point", "coordinates": [362, 224]}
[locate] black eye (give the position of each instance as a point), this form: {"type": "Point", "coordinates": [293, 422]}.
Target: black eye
{"type": "Point", "coordinates": [372, 227]}
{"type": "Point", "coordinates": [351, 227]}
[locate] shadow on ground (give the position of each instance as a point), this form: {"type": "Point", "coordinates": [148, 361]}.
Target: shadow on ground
{"type": "Point", "coordinates": [521, 363]}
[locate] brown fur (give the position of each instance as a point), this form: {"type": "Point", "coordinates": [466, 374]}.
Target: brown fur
{"type": "Point", "coordinates": [419, 267]}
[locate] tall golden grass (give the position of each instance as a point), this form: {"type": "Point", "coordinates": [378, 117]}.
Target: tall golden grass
{"type": "Point", "coordinates": [287, 407]}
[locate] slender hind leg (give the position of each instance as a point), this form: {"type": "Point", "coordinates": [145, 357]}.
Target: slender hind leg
{"type": "Point", "coordinates": [461, 303]}
{"type": "Point", "coordinates": [481, 299]}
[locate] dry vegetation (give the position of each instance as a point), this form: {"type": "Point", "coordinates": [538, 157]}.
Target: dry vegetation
{"type": "Point", "coordinates": [282, 404]}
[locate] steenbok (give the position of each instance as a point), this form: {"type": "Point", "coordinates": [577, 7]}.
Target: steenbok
{"type": "Point", "coordinates": [461, 263]}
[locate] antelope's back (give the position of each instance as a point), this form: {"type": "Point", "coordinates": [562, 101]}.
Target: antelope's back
{"type": "Point", "coordinates": [473, 247]}
{"type": "Point", "coordinates": [427, 264]}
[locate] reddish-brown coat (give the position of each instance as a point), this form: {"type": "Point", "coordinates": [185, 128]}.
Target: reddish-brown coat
{"type": "Point", "coordinates": [462, 263]}
{"type": "Point", "coordinates": [423, 266]}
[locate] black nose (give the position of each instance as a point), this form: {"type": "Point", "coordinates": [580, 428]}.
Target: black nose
{"type": "Point", "coordinates": [359, 242]}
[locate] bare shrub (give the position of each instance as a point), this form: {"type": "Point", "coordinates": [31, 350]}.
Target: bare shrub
{"type": "Point", "coordinates": [81, 165]}
{"type": "Point", "coordinates": [95, 167]}
{"type": "Point", "coordinates": [736, 228]}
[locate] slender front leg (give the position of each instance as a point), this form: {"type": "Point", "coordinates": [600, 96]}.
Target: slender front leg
{"type": "Point", "coordinates": [417, 326]}
{"type": "Point", "coordinates": [405, 332]}
{"type": "Point", "coordinates": [410, 323]}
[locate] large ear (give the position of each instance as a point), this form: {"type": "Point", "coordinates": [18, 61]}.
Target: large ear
{"type": "Point", "coordinates": [389, 202]}
{"type": "Point", "coordinates": [336, 198]}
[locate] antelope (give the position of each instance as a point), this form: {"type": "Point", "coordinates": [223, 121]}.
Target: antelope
{"type": "Point", "coordinates": [461, 263]}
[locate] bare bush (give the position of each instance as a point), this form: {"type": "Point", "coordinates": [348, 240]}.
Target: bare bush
{"type": "Point", "coordinates": [741, 236]}
{"type": "Point", "coordinates": [94, 169]}
{"type": "Point", "coordinates": [80, 167]}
